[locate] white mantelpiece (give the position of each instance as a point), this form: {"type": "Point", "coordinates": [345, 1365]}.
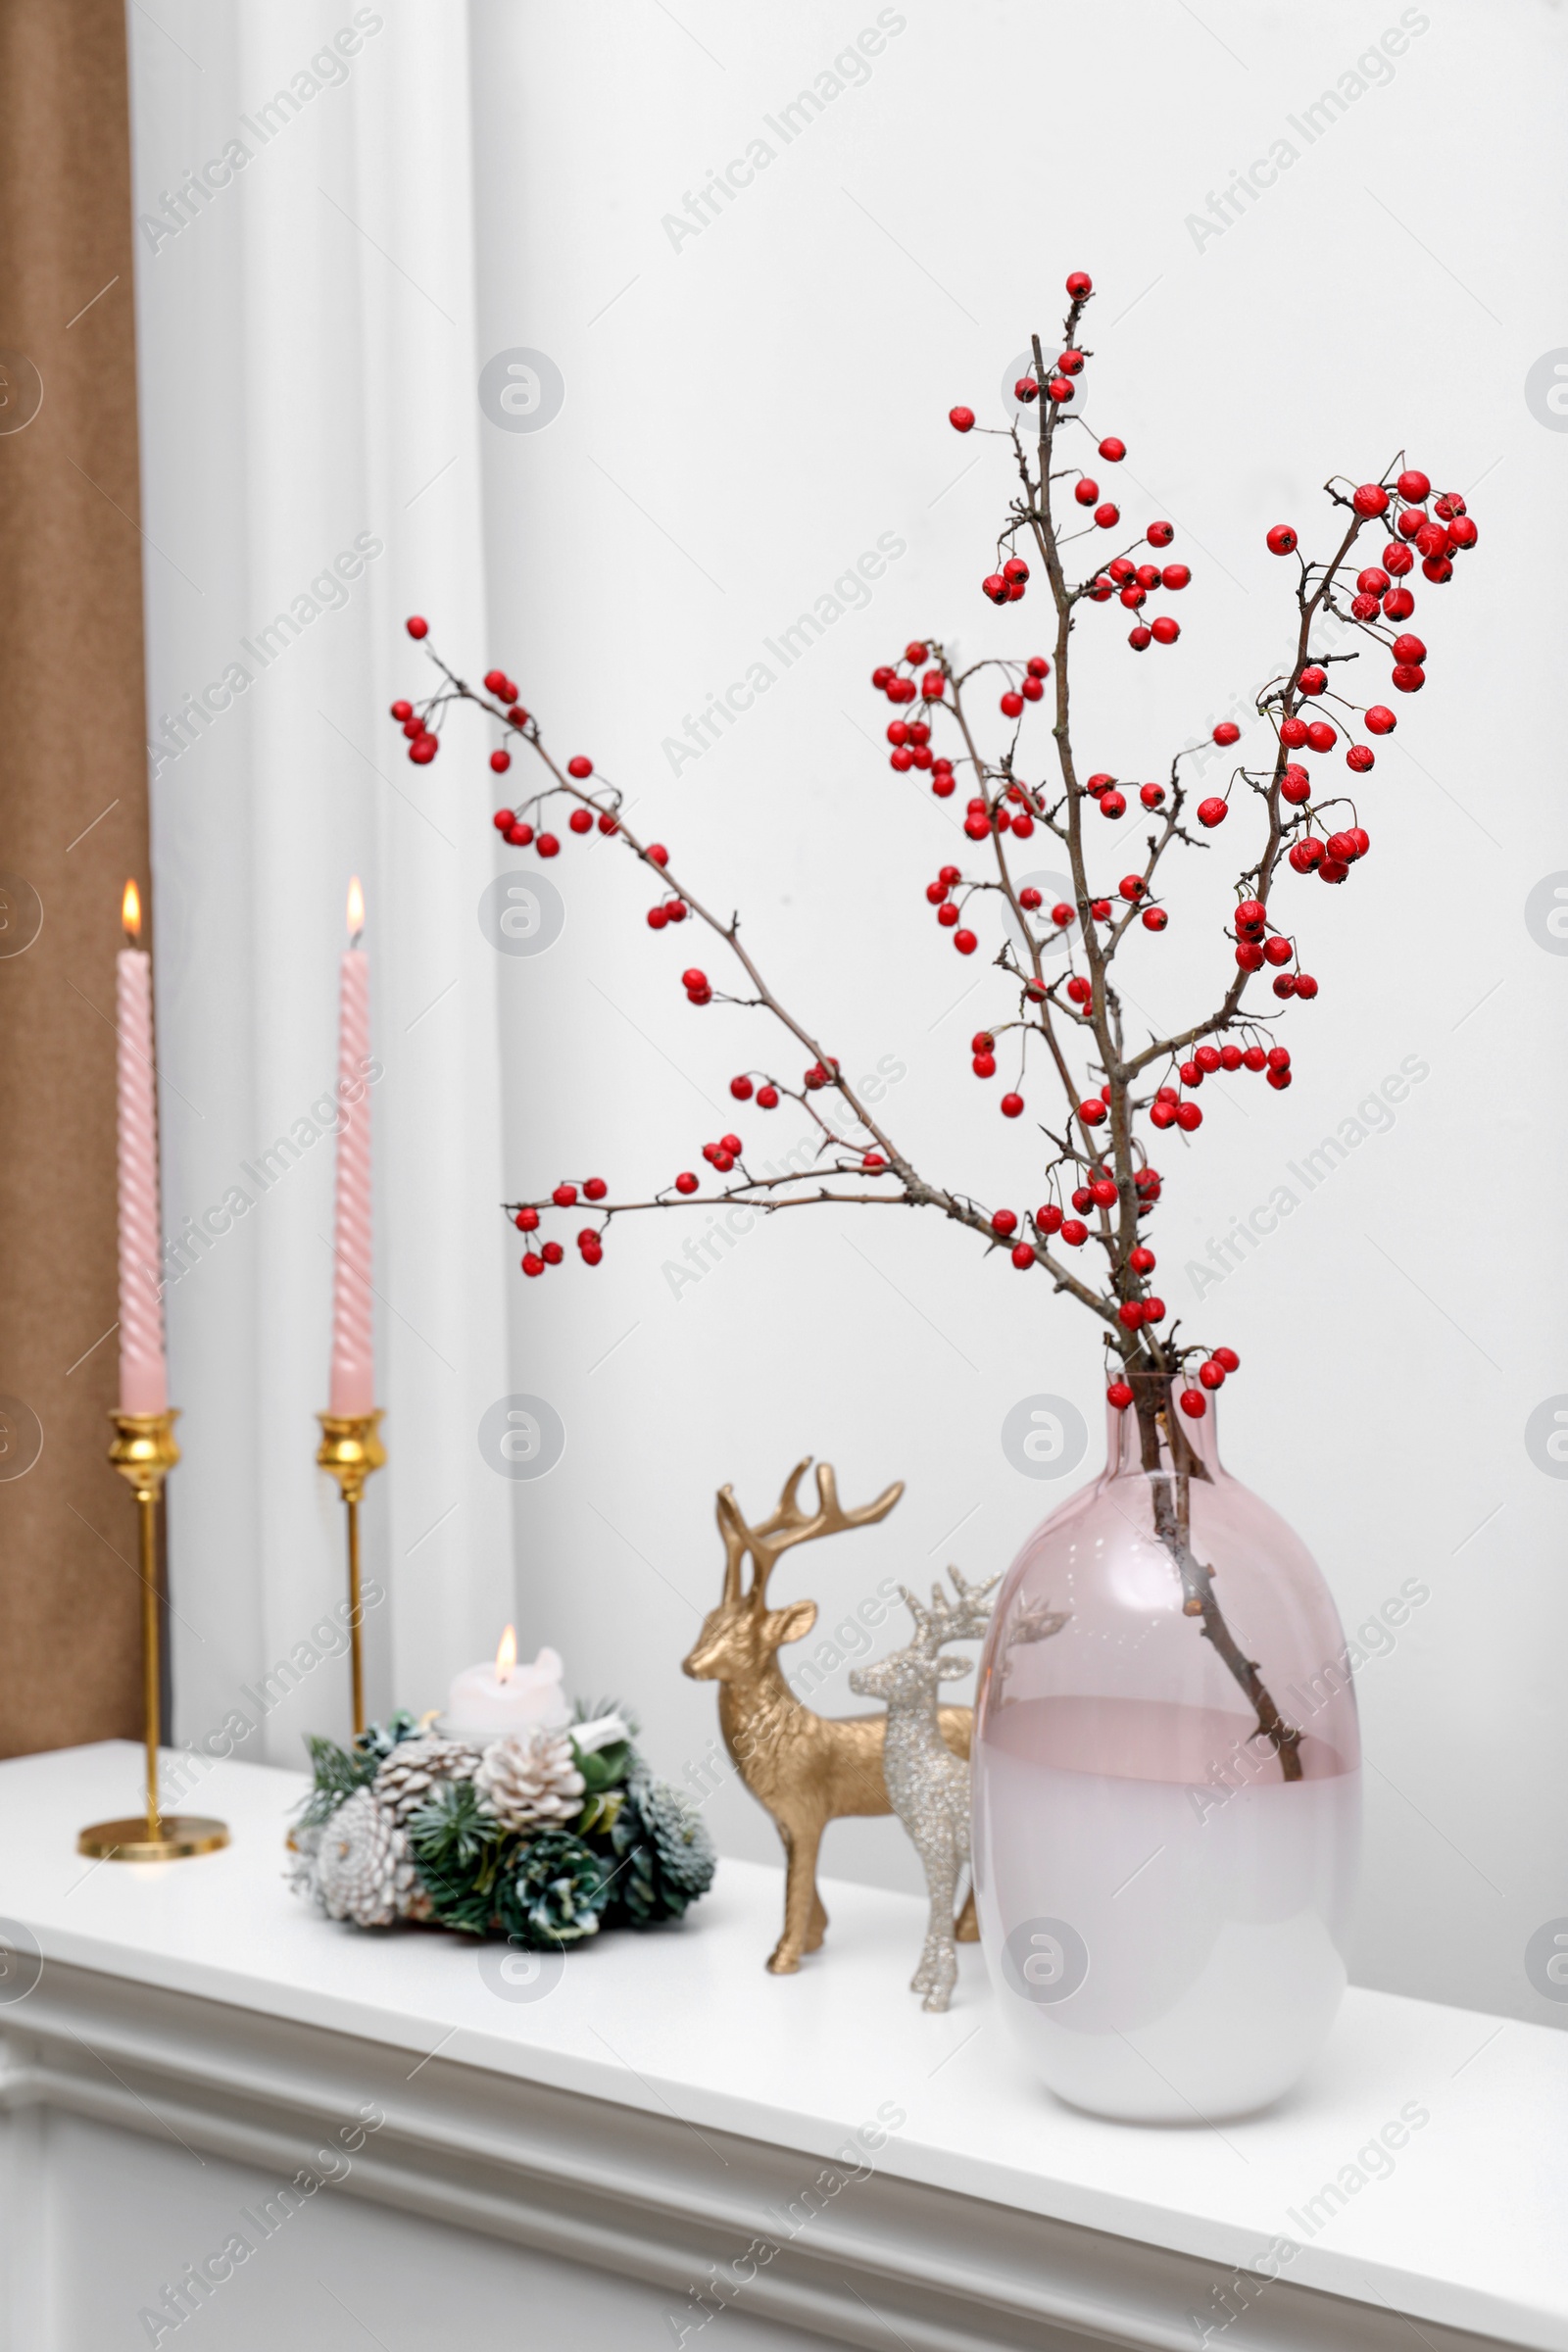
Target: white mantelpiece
{"type": "Point", "coordinates": [571, 2166]}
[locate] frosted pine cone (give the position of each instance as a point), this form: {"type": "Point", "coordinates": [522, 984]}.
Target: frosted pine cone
{"type": "Point", "coordinates": [363, 1869]}
{"type": "Point", "coordinates": [529, 1781]}
{"type": "Point", "coordinates": [414, 1768]}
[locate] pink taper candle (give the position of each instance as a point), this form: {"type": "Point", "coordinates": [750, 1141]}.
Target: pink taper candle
{"type": "Point", "coordinates": [143, 1370]}
{"type": "Point", "coordinates": [352, 1330]}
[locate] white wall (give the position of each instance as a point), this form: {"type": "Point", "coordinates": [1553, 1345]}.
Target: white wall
{"type": "Point", "coordinates": [743, 415]}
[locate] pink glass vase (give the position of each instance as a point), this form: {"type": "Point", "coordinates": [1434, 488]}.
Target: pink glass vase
{"type": "Point", "coordinates": [1165, 1886]}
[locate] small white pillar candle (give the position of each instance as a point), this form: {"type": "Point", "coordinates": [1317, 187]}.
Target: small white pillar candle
{"type": "Point", "coordinates": [504, 1695]}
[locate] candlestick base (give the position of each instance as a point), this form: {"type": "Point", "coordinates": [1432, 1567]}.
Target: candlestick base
{"type": "Point", "coordinates": [143, 1451]}
{"type": "Point", "coordinates": [351, 1450]}
{"type": "Point", "coordinates": [129, 1840]}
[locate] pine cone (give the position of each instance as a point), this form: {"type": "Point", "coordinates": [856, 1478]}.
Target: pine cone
{"type": "Point", "coordinates": [686, 1852]}
{"type": "Point", "coordinates": [413, 1770]}
{"type": "Point", "coordinates": [558, 1894]}
{"type": "Point", "coordinates": [666, 1855]}
{"type": "Point", "coordinates": [531, 1781]}
{"type": "Point", "coordinates": [363, 1869]}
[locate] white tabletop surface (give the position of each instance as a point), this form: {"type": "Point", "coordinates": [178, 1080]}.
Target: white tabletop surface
{"type": "Point", "coordinates": [1468, 2228]}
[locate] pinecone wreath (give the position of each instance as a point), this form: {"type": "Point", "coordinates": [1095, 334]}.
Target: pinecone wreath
{"type": "Point", "coordinates": [362, 1868]}
{"type": "Point", "coordinates": [530, 1781]}
{"type": "Point", "coordinates": [412, 1771]}
{"type": "Point", "coordinates": [666, 1855]}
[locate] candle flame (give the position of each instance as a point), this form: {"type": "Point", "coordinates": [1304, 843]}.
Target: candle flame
{"type": "Point", "coordinates": [130, 913]}
{"type": "Point", "coordinates": [506, 1656]}
{"type": "Point", "coordinates": [356, 908]}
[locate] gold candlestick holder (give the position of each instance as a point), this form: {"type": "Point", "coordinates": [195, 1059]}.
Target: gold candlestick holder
{"type": "Point", "coordinates": [144, 1452]}
{"type": "Point", "coordinates": [351, 1450]}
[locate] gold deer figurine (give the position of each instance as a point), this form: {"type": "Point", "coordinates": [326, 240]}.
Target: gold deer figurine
{"type": "Point", "coordinates": [806, 1769]}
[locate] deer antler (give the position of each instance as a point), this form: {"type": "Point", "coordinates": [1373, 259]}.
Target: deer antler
{"type": "Point", "coordinates": [790, 1524]}
{"type": "Point", "coordinates": [946, 1622]}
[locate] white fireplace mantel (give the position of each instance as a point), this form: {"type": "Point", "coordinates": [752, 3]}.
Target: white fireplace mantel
{"type": "Point", "coordinates": [596, 2150]}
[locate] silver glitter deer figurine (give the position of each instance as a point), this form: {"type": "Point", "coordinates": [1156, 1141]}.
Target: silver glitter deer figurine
{"type": "Point", "coordinates": [929, 1785]}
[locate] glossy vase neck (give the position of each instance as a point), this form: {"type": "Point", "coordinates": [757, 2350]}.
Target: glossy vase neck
{"type": "Point", "coordinates": [1196, 1448]}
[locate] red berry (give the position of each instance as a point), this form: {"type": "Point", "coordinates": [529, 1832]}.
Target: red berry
{"type": "Point", "coordinates": [501, 761]}
{"type": "Point", "coordinates": [1070, 362]}
{"type": "Point", "coordinates": [1091, 1112]}
{"type": "Point", "coordinates": [1026, 389]}
{"type": "Point", "coordinates": [1080, 286]}
{"type": "Point", "coordinates": [1281, 540]}
{"type": "Point", "coordinates": [1074, 1232]}
{"type": "Point", "coordinates": [607, 823]}
{"type": "Point", "coordinates": [1278, 1058]}
{"type": "Point", "coordinates": [1212, 811]}
{"type": "Point", "coordinates": [1408, 676]}
{"type": "Point", "coordinates": [693, 978]}
{"type": "Point", "coordinates": [417, 625]}
{"type": "Point", "coordinates": [1414, 487]}
{"type": "Point", "coordinates": [402, 711]}
{"type": "Point", "coordinates": [1320, 736]}
{"type": "Point", "coordinates": [1412, 520]}
{"type": "Point", "coordinates": [503, 820]}
{"type": "Point", "coordinates": [741, 1088]}
{"type": "Point", "coordinates": [1187, 1116]}
{"type": "Point", "coordinates": [1305, 985]}
{"type": "Point", "coordinates": [424, 749]}
{"type": "Point", "coordinates": [517, 715]}
{"type": "Point", "coordinates": [1408, 647]}
{"type": "Point", "coordinates": [1248, 955]}
{"type": "Point", "coordinates": [1151, 795]}
{"type": "Point", "coordinates": [947, 916]}
{"type": "Point", "coordinates": [519, 836]}
{"type": "Point", "coordinates": [1049, 1218]}
{"type": "Point", "coordinates": [1360, 757]}
{"type": "Point", "coordinates": [1175, 576]}
{"type": "Point", "coordinates": [961, 420]}
{"type": "Point", "coordinates": [1079, 990]}
{"type": "Point", "coordinates": [1278, 950]}
{"type": "Point", "coordinates": [1085, 491]}
{"type": "Point", "coordinates": [1279, 1080]}
{"type": "Point", "coordinates": [1014, 569]}
{"type": "Point", "coordinates": [1211, 1375]}
{"type": "Point", "coordinates": [1227, 732]}
{"type": "Point", "coordinates": [658, 853]}
{"type": "Point", "coordinates": [1012, 705]}
{"type": "Point", "coordinates": [1153, 1310]}
{"type": "Point", "coordinates": [1398, 604]}
{"type": "Point", "coordinates": [581, 820]}
{"type": "Point", "coordinates": [1131, 886]}
{"type": "Point", "coordinates": [1112, 804]}
{"type": "Point", "coordinates": [1108, 517]}
{"type": "Point", "coordinates": [526, 1220]}
{"type": "Point", "coordinates": [995, 587]}
{"type": "Point", "coordinates": [1194, 1404]}
{"type": "Point", "coordinates": [551, 1254]}
{"type": "Point", "coordinates": [933, 686]}
{"type": "Point", "coordinates": [1142, 1261]}
{"type": "Point", "coordinates": [1060, 388]}
{"type": "Point", "coordinates": [984, 1065]}
{"type": "Point", "coordinates": [1313, 679]}
{"type": "Point", "coordinates": [1380, 720]}
{"type": "Point", "coordinates": [1462, 531]}
{"type": "Point", "coordinates": [1011, 1106]}
{"type": "Point", "coordinates": [1004, 1222]}
{"type": "Point", "coordinates": [547, 846]}
{"type": "Point", "coordinates": [532, 1263]}
{"type": "Point", "coordinates": [1130, 1313]}
{"type": "Point", "coordinates": [965, 941]}
{"type": "Point", "coordinates": [1230, 1057]}
{"type": "Point", "coordinates": [1023, 1257]}
{"type": "Point", "coordinates": [686, 1182]}
{"type": "Point", "coordinates": [1119, 1394]}
{"type": "Point", "coordinates": [1165, 630]}
{"type": "Point", "coordinates": [1293, 733]}
{"type": "Point", "coordinates": [1371, 499]}
{"type": "Point", "coordinates": [768, 1098]}
{"type": "Point", "coordinates": [579, 767]}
